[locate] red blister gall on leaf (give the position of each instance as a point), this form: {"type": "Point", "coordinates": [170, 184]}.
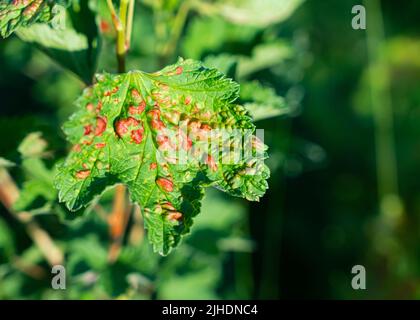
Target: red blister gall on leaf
{"type": "Point", "coordinates": [99, 107]}
{"type": "Point", "coordinates": [166, 184]}
{"type": "Point", "coordinates": [90, 107]}
{"type": "Point", "coordinates": [136, 95]}
{"type": "Point", "coordinates": [122, 126]}
{"type": "Point", "coordinates": [211, 163]}
{"type": "Point", "coordinates": [100, 145]}
{"type": "Point", "coordinates": [179, 70]}
{"type": "Point", "coordinates": [104, 26]}
{"type": "Point", "coordinates": [82, 174]}
{"type": "Point", "coordinates": [168, 206]}
{"type": "Point", "coordinates": [137, 135]}
{"type": "Point", "coordinates": [175, 216]}
{"type": "Point", "coordinates": [76, 148]}
{"type": "Point", "coordinates": [137, 109]}
{"type": "Point", "coordinates": [87, 130]}
{"type": "Point", "coordinates": [100, 125]}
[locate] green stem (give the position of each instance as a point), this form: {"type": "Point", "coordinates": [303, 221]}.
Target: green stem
{"type": "Point", "coordinates": [379, 78]}
{"type": "Point", "coordinates": [177, 28]}
{"type": "Point", "coordinates": [121, 39]}
{"type": "Point", "coordinates": [130, 23]}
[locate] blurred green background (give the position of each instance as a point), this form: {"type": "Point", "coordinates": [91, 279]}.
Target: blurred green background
{"type": "Point", "coordinates": [341, 112]}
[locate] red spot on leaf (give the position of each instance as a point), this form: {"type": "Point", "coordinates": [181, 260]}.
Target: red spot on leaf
{"type": "Point", "coordinates": [121, 127]}
{"type": "Point", "coordinates": [211, 163]}
{"type": "Point", "coordinates": [154, 114]}
{"type": "Point", "coordinates": [165, 184]}
{"type": "Point", "coordinates": [153, 166]}
{"type": "Point", "coordinates": [100, 145]}
{"type": "Point", "coordinates": [99, 107]}
{"type": "Point", "coordinates": [76, 148]}
{"type": "Point", "coordinates": [90, 107]}
{"type": "Point", "coordinates": [187, 100]}
{"type": "Point", "coordinates": [82, 174]}
{"type": "Point", "coordinates": [135, 94]}
{"type": "Point", "coordinates": [104, 26]}
{"type": "Point", "coordinates": [88, 129]}
{"type": "Point", "coordinates": [175, 216]}
{"type": "Point", "coordinates": [157, 124]}
{"type": "Point", "coordinates": [137, 135]}
{"type": "Point", "coordinates": [178, 70]}
{"type": "Point", "coordinates": [137, 109]}
{"type": "Point", "coordinates": [205, 127]}
{"type": "Point", "coordinates": [168, 206]}
{"type": "Point", "coordinates": [87, 142]}
{"type": "Point", "coordinates": [100, 125]}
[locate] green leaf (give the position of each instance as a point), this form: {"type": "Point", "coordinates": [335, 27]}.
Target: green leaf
{"type": "Point", "coordinates": [33, 145]}
{"type": "Point", "coordinates": [265, 55]}
{"type": "Point", "coordinates": [73, 43]}
{"type": "Point", "coordinates": [262, 102]}
{"type": "Point", "coordinates": [37, 193]}
{"type": "Point", "coordinates": [150, 132]}
{"type": "Point", "coordinates": [219, 35]}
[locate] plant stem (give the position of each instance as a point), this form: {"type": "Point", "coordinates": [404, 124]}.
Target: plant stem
{"type": "Point", "coordinates": [390, 203]}
{"type": "Point", "coordinates": [129, 27]}
{"type": "Point", "coordinates": [179, 23]}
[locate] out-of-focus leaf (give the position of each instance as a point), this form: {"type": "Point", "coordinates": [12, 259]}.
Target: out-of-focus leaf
{"type": "Point", "coordinates": [209, 35]}
{"type": "Point", "coordinates": [21, 13]}
{"type": "Point", "coordinates": [33, 145]}
{"type": "Point", "coordinates": [7, 246]}
{"type": "Point", "coordinates": [74, 43]}
{"type": "Point", "coordinates": [262, 102]}
{"type": "Point", "coordinates": [264, 56]}
{"type": "Point", "coordinates": [37, 192]}
{"type": "Point", "coordinates": [193, 285]}
{"type": "Point", "coordinates": [261, 13]}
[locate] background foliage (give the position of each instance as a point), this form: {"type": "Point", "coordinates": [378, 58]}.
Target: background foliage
{"type": "Point", "coordinates": [324, 97]}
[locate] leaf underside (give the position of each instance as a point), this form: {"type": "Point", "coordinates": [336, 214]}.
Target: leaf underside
{"type": "Point", "coordinates": [121, 133]}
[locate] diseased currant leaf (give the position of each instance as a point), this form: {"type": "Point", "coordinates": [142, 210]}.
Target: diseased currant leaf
{"type": "Point", "coordinates": [166, 136]}
{"type": "Point", "coordinates": [21, 13]}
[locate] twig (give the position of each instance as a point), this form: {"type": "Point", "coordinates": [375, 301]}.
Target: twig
{"type": "Point", "coordinates": [117, 221]}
